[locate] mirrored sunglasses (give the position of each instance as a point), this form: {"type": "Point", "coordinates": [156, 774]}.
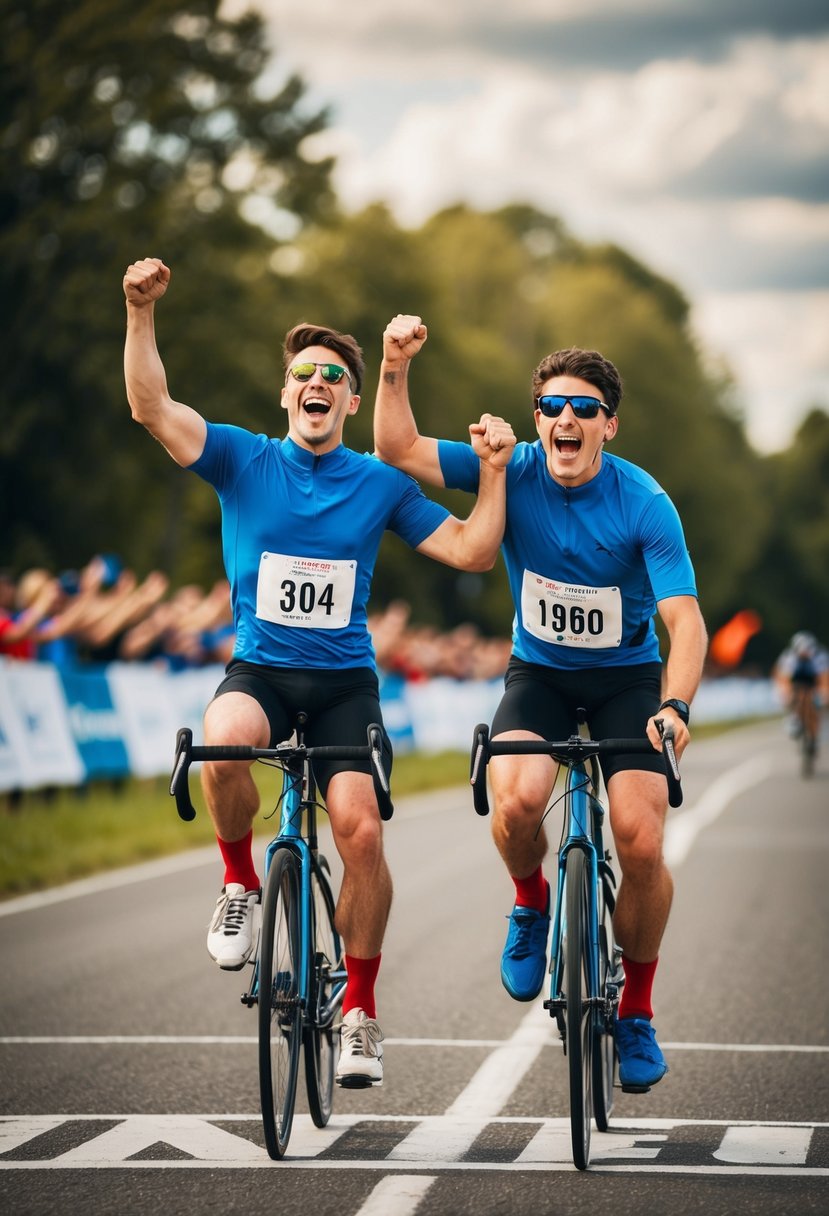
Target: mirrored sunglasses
{"type": "Point", "coordinates": [583, 407]}
{"type": "Point", "coordinates": [332, 373]}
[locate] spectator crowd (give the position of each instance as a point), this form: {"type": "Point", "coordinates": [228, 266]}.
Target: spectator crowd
{"type": "Point", "coordinates": [104, 613]}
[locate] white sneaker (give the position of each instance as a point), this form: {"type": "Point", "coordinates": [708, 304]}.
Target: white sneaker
{"type": "Point", "coordinates": [230, 938]}
{"type": "Point", "coordinates": [361, 1056]}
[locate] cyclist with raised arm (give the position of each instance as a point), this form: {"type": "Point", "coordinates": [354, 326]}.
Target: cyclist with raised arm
{"type": "Point", "coordinates": [593, 549]}
{"type": "Point", "coordinates": [302, 519]}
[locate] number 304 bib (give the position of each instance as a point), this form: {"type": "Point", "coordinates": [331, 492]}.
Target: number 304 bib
{"type": "Point", "coordinates": [589, 618]}
{"type": "Point", "coordinates": [305, 592]}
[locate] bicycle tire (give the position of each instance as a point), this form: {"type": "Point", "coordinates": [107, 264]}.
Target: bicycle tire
{"type": "Point", "coordinates": [605, 1056]}
{"type": "Point", "coordinates": [321, 1043]}
{"type": "Point", "coordinates": [280, 1015]}
{"type": "Point", "coordinates": [579, 1014]}
{"type": "Point", "coordinates": [808, 751]}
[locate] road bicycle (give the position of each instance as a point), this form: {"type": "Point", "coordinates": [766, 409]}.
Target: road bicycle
{"type": "Point", "coordinates": [585, 970]}
{"type": "Point", "coordinates": [299, 974]}
{"type": "Point", "coordinates": [804, 714]}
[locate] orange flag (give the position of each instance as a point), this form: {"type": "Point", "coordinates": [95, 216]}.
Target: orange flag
{"type": "Point", "coordinates": [729, 643]}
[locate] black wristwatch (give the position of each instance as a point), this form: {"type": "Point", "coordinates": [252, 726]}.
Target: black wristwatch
{"type": "Point", "coordinates": [679, 707]}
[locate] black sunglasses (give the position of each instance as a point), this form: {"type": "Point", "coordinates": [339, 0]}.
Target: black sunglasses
{"type": "Point", "coordinates": [583, 407]}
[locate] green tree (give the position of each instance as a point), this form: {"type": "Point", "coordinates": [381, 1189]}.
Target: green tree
{"type": "Point", "coordinates": [133, 130]}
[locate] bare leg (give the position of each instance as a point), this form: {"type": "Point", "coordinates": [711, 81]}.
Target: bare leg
{"type": "Point", "coordinates": [521, 786]}
{"type": "Point", "coordinates": [228, 786]}
{"type": "Point", "coordinates": [366, 890]}
{"type": "Point", "coordinates": [638, 805]}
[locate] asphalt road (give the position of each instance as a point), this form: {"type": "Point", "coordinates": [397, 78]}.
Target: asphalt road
{"type": "Point", "coordinates": [128, 1064]}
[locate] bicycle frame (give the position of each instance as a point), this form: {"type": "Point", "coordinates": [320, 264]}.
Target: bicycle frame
{"type": "Point", "coordinates": [583, 830]}
{"type": "Point", "coordinates": [298, 799]}
{"type": "Point", "coordinates": [585, 975]}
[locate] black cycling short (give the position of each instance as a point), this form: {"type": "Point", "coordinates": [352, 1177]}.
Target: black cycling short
{"type": "Point", "coordinates": [618, 701]}
{"type": "Point", "coordinates": [340, 705]}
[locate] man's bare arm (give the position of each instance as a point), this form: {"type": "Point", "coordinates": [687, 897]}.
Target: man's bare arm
{"type": "Point", "coordinates": [396, 437]}
{"type": "Point", "coordinates": [683, 670]}
{"type": "Point", "coordinates": [179, 428]}
{"type": "Point", "coordinates": [473, 543]}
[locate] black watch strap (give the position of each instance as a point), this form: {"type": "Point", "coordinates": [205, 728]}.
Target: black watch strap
{"type": "Point", "coordinates": [679, 707]}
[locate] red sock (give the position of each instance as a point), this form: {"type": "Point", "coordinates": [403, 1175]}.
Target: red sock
{"type": "Point", "coordinates": [532, 892]}
{"type": "Point", "coordinates": [636, 993]}
{"type": "Point", "coordinates": [359, 991]}
{"type": "Point", "coordinates": [238, 859]}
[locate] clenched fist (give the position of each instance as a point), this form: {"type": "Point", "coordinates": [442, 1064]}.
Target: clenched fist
{"type": "Point", "coordinates": [146, 281]}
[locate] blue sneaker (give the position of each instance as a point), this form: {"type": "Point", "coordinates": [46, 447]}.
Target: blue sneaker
{"type": "Point", "coordinates": [524, 960]}
{"type": "Point", "coordinates": [641, 1062]}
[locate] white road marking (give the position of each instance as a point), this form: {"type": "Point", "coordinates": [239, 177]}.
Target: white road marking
{"type": "Point", "coordinates": [233, 1040]}
{"type": "Point", "coordinates": [447, 1137]}
{"type": "Point", "coordinates": [747, 1149]}
{"type": "Point", "coordinates": [19, 1130]}
{"type": "Point", "coordinates": [765, 1145]}
{"type": "Point", "coordinates": [197, 1137]}
{"type": "Point", "coordinates": [398, 1195]}
{"type": "Point", "coordinates": [553, 1143]}
{"type": "Point", "coordinates": [682, 830]}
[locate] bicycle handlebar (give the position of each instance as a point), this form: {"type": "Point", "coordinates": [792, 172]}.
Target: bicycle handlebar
{"type": "Point", "coordinates": [566, 751]}
{"type": "Point", "coordinates": [187, 754]}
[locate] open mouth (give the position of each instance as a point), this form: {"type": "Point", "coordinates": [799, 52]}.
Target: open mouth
{"type": "Point", "coordinates": [316, 407]}
{"type": "Point", "coordinates": [567, 445]}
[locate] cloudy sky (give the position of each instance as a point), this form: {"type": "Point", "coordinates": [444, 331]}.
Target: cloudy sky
{"type": "Point", "coordinates": [695, 133]}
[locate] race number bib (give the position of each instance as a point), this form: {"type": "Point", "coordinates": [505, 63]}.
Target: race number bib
{"type": "Point", "coordinates": [589, 618]}
{"type": "Point", "coordinates": [305, 592]}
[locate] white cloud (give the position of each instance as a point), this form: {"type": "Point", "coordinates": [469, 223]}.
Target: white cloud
{"type": "Point", "coordinates": [684, 131]}
{"type": "Point", "coordinates": [777, 346]}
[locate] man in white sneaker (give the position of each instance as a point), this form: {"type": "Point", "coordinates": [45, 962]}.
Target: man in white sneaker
{"type": "Point", "coordinates": [302, 519]}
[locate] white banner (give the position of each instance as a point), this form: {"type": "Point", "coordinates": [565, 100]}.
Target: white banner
{"type": "Point", "coordinates": [35, 727]}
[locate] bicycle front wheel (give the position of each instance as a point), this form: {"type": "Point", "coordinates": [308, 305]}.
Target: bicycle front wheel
{"type": "Point", "coordinates": [280, 1016]}
{"type": "Point", "coordinates": [321, 1036]}
{"type": "Point", "coordinates": [604, 1042]}
{"type": "Point", "coordinates": [580, 1034]}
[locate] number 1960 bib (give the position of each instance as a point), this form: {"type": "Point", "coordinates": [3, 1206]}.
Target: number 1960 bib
{"type": "Point", "coordinates": [305, 592]}
{"type": "Point", "coordinates": [569, 615]}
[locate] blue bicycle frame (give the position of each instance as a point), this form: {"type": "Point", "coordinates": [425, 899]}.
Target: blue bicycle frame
{"type": "Point", "coordinates": [298, 799]}
{"type": "Point", "coordinates": [583, 830]}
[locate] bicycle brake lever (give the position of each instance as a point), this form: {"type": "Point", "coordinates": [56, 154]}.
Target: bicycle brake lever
{"type": "Point", "coordinates": [671, 763]}
{"type": "Point", "coordinates": [381, 782]}
{"type": "Point", "coordinates": [180, 779]}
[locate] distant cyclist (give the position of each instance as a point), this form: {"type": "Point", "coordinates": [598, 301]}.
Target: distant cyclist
{"type": "Point", "coordinates": [594, 549]}
{"type": "Point", "coordinates": [801, 674]}
{"type": "Point", "coordinates": [302, 519]}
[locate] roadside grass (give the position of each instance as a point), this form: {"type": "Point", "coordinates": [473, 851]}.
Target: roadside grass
{"type": "Point", "coordinates": [52, 837]}
{"type": "Point", "coordinates": [56, 836]}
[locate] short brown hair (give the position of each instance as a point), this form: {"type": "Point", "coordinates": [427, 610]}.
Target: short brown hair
{"type": "Point", "coordinates": [304, 335]}
{"type": "Point", "coordinates": [586, 365]}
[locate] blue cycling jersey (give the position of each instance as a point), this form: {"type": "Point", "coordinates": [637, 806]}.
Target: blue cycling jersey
{"type": "Point", "coordinates": [586, 564]}
{"type": "Point", "coordinates": [300, 534]}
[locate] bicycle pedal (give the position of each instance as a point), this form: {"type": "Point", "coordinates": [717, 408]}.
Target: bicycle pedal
{"type": "Point", "coordinates": [635, 1089]}
{"type": "Point", "coordinates": [356, 1082]}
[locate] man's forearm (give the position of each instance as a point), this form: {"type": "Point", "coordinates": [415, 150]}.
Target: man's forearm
{"type": "Point", "coordinates": [683, 670]}
{"type": "Point", "coordinates": [484, 529]}
{"type": "Point", "coordinates": [395, 429]}
{"type": "Point", "coordinates": [144, 373]}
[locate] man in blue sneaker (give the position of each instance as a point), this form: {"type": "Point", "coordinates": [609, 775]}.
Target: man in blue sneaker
{"type": "Point", "coordinates": [594, 549]}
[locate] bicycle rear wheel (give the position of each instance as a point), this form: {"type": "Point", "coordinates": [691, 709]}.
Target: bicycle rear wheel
{"type": "Point", "coordinates": [579, 1012]}
{"type": "Point", "coordinates": [280, 1015]}
{"type": "Point", "coordinates": [321, 1036]}
{"type": "Point", "coordinates": [605, 1057]}
{"type": "Point", "coordinates": [808, 751]}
